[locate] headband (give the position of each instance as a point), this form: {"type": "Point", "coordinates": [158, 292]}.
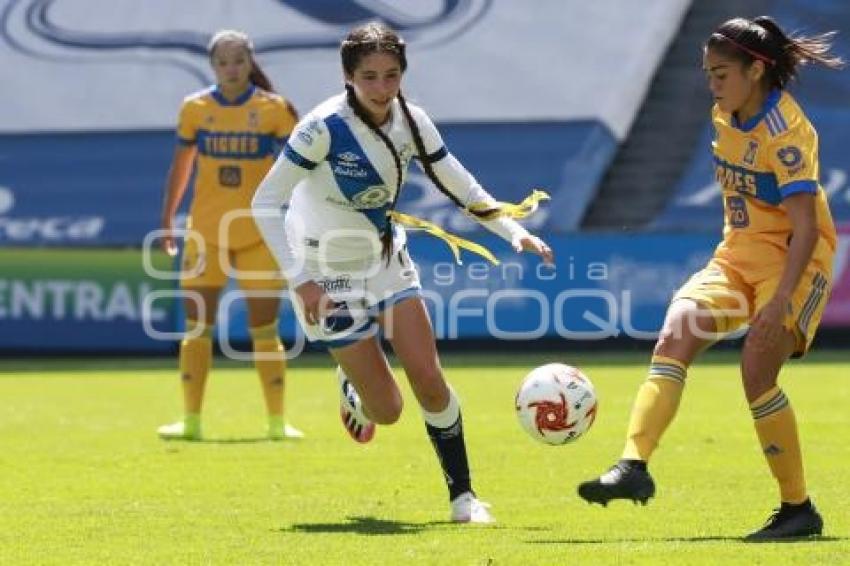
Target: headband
{"type": "Point", "coordinates": [751, 52]}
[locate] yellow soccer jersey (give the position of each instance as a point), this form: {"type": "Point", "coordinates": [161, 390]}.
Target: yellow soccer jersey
{"type": "Point", "coordinates": [758, 164]}
{"type": "Point", "coordinates": [237, 142]}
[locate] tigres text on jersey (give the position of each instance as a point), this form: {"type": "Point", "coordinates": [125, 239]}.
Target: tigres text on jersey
{"type": "Point", "coordinates": [237, 142]}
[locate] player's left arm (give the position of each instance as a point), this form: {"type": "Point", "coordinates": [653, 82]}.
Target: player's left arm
{"type": "Point", "coordinates": [793, 159]}
{"type": "Point", "coordinates": [768, 322]}
{"type": "Point", "coordinates": [468, 191]}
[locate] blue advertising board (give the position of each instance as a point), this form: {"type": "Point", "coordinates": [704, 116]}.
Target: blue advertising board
{"type": "Point", "coordinates": [602, 286]}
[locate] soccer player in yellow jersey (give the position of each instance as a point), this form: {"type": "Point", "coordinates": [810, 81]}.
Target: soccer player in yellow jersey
{"type": "Point", "coordinates": [772, 270]}
{"type": "Point", "coordinates": [230, 133]}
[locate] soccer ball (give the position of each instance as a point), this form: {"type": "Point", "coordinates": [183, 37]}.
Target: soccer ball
{"type": "Point", "coordinates": [556, 404]}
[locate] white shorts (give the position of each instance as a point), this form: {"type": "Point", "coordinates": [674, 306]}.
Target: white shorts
{"type": "Point", "coordinates": [362, 290]}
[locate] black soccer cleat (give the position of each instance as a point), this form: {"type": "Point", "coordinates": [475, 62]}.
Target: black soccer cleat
{"type": "Point", "coordinates": [790, 522]}
{"type": "Point", "coordinates": [625, 480]}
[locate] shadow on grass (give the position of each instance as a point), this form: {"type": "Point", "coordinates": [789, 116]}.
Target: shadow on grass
{"type": "Point", "coordinates": [802, 540]}
{"type": "Point", "coordinates": [375, 526]}
{"type": "Point", "coordinates": [226, 440]}
{"type": "Point", "coordinates": [364, 526]}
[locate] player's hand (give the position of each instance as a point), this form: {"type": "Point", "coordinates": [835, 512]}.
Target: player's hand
{"type": "Point", "coordinates": [535, 245]}
{"type": "Point", "coordinates": [316, 302]}
{"type": "Point", "coordinates": [767, 328]}
{"type": "Point", "coordinates": [167, 241]}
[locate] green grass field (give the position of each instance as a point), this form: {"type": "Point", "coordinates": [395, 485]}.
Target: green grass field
{"type": "Point", "coordinates": [84, 479]}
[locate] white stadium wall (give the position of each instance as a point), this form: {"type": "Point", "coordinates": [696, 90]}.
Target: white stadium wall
{"type": "Point", "coordinates": [125, 64]}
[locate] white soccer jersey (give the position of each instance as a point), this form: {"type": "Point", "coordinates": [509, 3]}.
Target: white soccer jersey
{"type": "Point", "coordinates": [340, 181]}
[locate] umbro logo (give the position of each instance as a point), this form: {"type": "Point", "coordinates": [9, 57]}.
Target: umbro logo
{"type": "Point", "coordinates": [348, 157]}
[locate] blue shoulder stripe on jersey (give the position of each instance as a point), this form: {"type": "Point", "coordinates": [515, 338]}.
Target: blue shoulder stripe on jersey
{"type": "Point", "coordinates": [745, 180]}
{"type": "Point", "coordinates": [185, 141]}
{"type": "Point", "coordinates": [356, 177]}
{"type": "Point", "coordinates": [235, 145]}
{"type": "Point", "coordinates": [771, 101]}
{"type": "Point", "coordinates": [298, 159]}
{"type": "Point", "coordinates": [238, 101]}
{"type": "Point", "coordinates": [801, 186]}
{"type": "Point", "coordinates": [437, 155]}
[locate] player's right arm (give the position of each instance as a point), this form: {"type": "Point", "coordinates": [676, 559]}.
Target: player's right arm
{"type": "Point", "coordinates": [179, 172]}
{"type": "Point", "coordinates": [175, 188]}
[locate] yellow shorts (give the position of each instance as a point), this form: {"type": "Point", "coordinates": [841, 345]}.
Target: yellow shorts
{"type": "Point", "coordinates": [253, 267]}
{"type": "Point", "coordinates": [734, 298]}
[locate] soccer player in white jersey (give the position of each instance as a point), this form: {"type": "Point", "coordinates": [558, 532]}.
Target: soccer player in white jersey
{"type": "Point", "coordinates": [342, 248]}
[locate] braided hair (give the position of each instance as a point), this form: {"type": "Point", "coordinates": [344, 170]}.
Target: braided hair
{"type": "Point", "coordinates": [764, 40]}
{"type": "Point", "coordinates": [376, 37]}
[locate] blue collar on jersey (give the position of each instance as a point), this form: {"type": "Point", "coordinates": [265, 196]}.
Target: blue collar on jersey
{"type": "Point", "coordinates": [771, 101]}
{"type": "Point", "coordinates": [238, 101]}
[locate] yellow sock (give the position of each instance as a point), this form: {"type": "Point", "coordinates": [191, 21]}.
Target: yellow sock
{"type": "Point", "coordinates": [777, 431]}
{"type": "Point", "coordinates": [655, 406]}
{"type": "Point", "coordinates": [195, 361]}
{"type": "Point", "coordinates": [271, 365]}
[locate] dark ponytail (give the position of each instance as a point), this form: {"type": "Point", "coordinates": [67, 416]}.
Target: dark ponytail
{"type": "Point", "coordinates": [782, 54]}
{"type": "Point", "coordinates": [429, 169]}
{"type": "Point", "coordinates": [258, 77]}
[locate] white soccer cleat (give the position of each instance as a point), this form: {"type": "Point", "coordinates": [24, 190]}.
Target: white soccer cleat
{"type": "Point", "coordinates": [283, 431]}
{"type": "Point", "coordinates": [290, 431]}
{"type": "Point", "coordinates": [180, 431]}
{"type": "Point", "coordinates": [466, 508]}
{"type": "Point", "coordinates": [360, 428]}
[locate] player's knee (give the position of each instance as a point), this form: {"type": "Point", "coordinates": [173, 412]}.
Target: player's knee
{"type": "Point", "coordinates": [388, 411]}
{"type": "Point", "coordinates": [670, 341]}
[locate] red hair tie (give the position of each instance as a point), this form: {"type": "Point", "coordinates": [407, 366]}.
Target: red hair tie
{"type": "Point", "coordinates": [753, 53]}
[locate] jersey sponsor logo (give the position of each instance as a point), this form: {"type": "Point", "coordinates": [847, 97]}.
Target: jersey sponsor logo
{"type": "Point", "coordinates": [253, 119]}
{"type": "Point", "coordinates": [347, 164]}
{"type": "Point", "coordinates": [339, 284]}
{"type": "Point", "coordinates": [373, 197]}
{"type": "Point", "coordinates": [750, 154]}
{"type": "Point", "coordinates": [347, 170]}
{"type": "Point", "coordinates": [230, 176]}
{"type": "Point", "coordinates": [306, 132]}
{"type": "Point", "coordinates": [305, 138]}
{"type": "Point", "coordinates": [791, 157]}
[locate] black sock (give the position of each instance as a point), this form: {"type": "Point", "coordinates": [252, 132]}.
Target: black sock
{"type": "Point", "coordinates": [451, 451]}
{"type": "Point", "coordinates": [805, 505]}
{"type": "Point", "coordinates": [635, 464]}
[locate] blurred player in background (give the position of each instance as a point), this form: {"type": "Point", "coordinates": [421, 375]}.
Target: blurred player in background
{"type": "Point", "coordinates": [232, 131]}
{"type": "Point", "coordinates": [772, 270]}
{"type": "Point", "coordinates": [343, 249]}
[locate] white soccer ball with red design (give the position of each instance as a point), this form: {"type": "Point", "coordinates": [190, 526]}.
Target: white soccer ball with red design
{"type": "Point", "coordinates": [556, 403]}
